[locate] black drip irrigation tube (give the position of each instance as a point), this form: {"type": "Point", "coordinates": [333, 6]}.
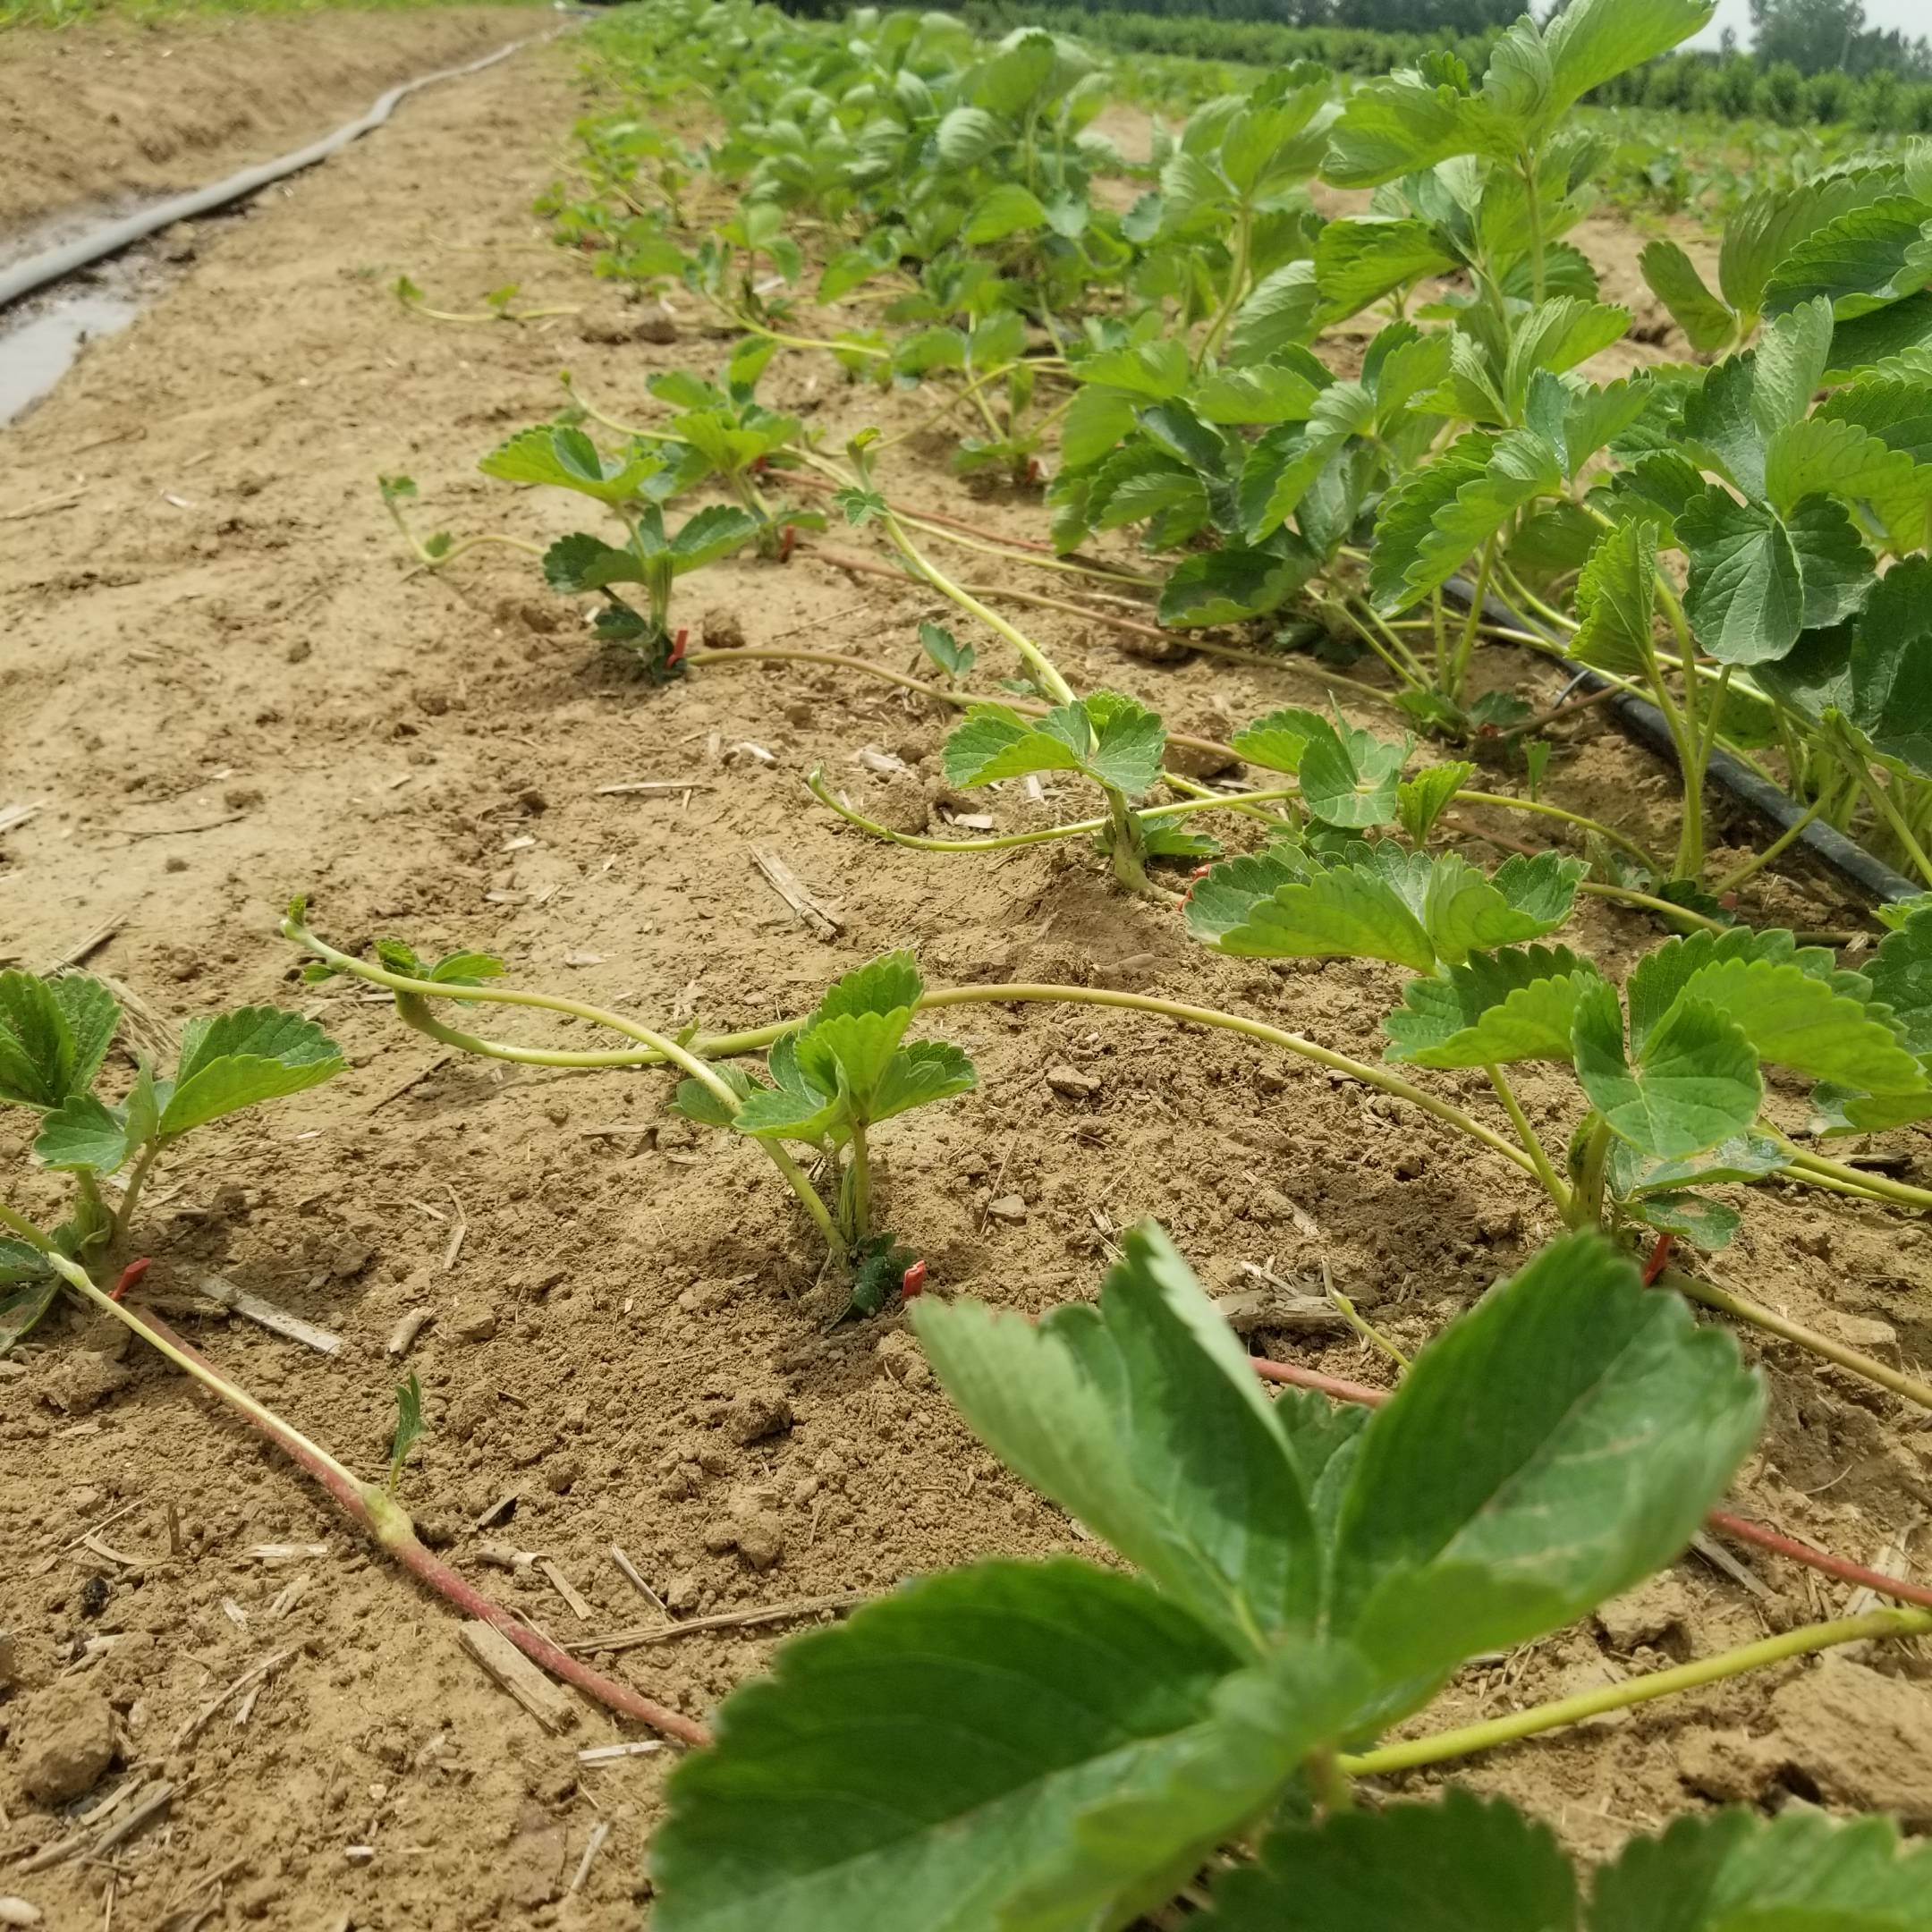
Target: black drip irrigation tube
{"type": "Point", "coordinates": [1640, 719]}
{"type": "Point", "coordinates": [109, 239]}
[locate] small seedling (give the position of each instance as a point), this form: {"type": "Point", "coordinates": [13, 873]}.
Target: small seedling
{"type": "Point", "coordinates": [409, 1428]}
{"type": "Point", "coordinates": [54, 1033]}
{"type": "Point", "coordinates": [496, 306]}
{"type": "Point", "coordinates": [828, 1085]}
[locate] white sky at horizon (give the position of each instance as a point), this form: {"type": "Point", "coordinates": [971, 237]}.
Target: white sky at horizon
{"type": "Point", "coordinates": [1910, 17]}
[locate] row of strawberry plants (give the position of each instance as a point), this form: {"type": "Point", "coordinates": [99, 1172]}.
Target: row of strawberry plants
{"type": "Point", "coordinates": [953, 195]}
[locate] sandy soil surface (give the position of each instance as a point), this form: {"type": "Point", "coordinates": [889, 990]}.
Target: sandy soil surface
{"type": "Point", "coordinates": [227, 685]}
{"type": "Point", "coordinates": [117, 111]}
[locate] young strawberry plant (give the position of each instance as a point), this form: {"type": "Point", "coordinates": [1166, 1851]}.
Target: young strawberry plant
{"type": "Point", "coordinates": [633, 487]}
{"type": "Point", "coordinates": [1062, 1745]}
{"type": "Point", "coordinates": [1671, 1073]}
{"type": "Point", "coordinates": [828, 1085]}
{"type": "Point", "coordinates": [54, 1034]}
{"type": "Point", "coordinates": [829, 1079]}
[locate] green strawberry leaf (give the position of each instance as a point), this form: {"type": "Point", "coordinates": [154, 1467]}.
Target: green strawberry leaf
{"type": "Point", "coordinates": [580, 562]}
{"type": "Point", "coordinates": [1450, 1866]}
{"type": "Point", "coordinates": [1674, 281]}
{"type": "Point", "coordinates": [1746, 599]}
{"type": "Point", "coordinates": [242, 1058]}
{"type": "Point", "coordinates": [54, 1034]}
{"type": "Point", "coordinates": [1735, 1872]}
{"type": "Point", "coordinates": [1570, 1394]}
{"type": "Point", "coordinates": [698, 1102]}
{"type": "Point", "coordinates": [1229, 585]}
{"type": "Point", "coordinates": [946, 650]}
{"type": "Point", "coordinates": [713, 531]}
{"type": "Point", "coordinates": [568, 459]}
{"type": "Point", "coordinates": [1749, 1157]}
{"type": "Point", "coordinates": [1493, 1009]}
{"type": "Point", "coordinates": [1696, 1218]}
{"type": "Point", "coordinates": [1060, 1688]}
{"type": "Point", "coordinates": [1901, 976]}
{"type": "Point", "coordinates": [1142, 1419]}
{"type": "Point", "coordinates": [1349, 777]}
{"type": "Point", "coordinates": [28, 1290]}
{"type": "Point", "coordinates": [1616, 601]}
{"type": "Point", "coordinates": [1104, 737]}
{"type": "Point", "coordinates": [926, 1070]}
{"type": "Point", "coordinates": [1422, 800]}
{"type": "Point", "coordinates": [1008, 209]}
{"type": "Point", "coordinates": [1359, 261]}
{"type": "Point", "coordinates": [1694, 1084]}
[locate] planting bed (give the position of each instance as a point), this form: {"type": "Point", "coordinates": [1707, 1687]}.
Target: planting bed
{"type": "Point", "coordinates": [222, 683]}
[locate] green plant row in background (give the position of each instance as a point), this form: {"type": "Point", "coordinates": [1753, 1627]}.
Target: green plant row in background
{"type": "Point", "coordinates": [1733, 85]}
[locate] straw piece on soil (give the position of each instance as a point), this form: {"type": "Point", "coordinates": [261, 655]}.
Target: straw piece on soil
{"type": "Point", "coordinates": [548, 1703]}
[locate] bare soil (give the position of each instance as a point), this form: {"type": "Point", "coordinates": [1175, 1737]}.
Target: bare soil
{"type": "Point", "coordinates": [227, 685]}
{"type": "Point", "coordinates": [117, 111]}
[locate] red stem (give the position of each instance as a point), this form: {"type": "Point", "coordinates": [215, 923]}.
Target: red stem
{"type": "Point", "coordinates": [1746, 1531]}
{"type": "Point", "coordinates": [423, 1563]}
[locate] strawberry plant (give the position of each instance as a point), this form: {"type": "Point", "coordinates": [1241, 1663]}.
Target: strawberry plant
{"type": "Point", "coordinates": [1059, 1744]}
{"type": "Point", "coordinates": [633, 487]}
{"type": "Point", "coordinates": [1671, 1073]}
{"type": "Point", "coordinates": [829, 1079]}
{"type": "Point", "coordinates": [54, 1034]}
{"type": "Point", "coordinates": [827, 1086]}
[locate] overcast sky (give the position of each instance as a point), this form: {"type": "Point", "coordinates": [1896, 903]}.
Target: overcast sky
{"type": "Point", "coordinates": [1912, 16]}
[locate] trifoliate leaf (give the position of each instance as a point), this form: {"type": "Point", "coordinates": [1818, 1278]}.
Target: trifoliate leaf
{"type": "Point", "coordinates": [1342, 912]}
{"type": "Point", "coordinates": [28, 1290]}
{"type": "Point", "coordinates": [1874, 673]}
{"type": "Point", "coordinates": [1623, 1421]}
{"type": "Point", "coordinates": [1592, 41]}
{"type": "Point", "coordinates": [1226, 585]}
{"type": "Point", "coordinates": [83, 1133]}
{"type": "Point", "coordinates": [1279, 313]}
{"type": "Point", "coordinates": [1359, 261]}
{"type": "Point", "coordinates": [714, 531]}
{"type": "Point", "coordinates": [925, 1071]}
{"type": "Point", "coordinates": [1750, 1156]}
{"type": "Point", "coordinates": [1694, 1084]}
{"type": "Point", "coordinates": [1142, 1417]}
{"type": "Point", "coordinates": [1006, 210]}
{"type": "Point", "coordinates": [1399, 125]}
{"type": "Point", "coordinates": [946, 650]}
{"type": "Point", "coordinates": [698, 1102]}
{"type": "Point", "coordinates": [1788, 365]}
{"type": "Point", "coordinates": [1349, 777]}
{"type": "Point", "coordinates": [1863, 260]}
{"type": "Point", "coordinates": [580, 562]}
{"type": "Point", "coordinates": [54, 1034]}
{"type": "Point", "coordinates": [1497, 1008]}
{"type": "Point", "coordinates": [240, 1058]}
{"type": "Point", "coordinates": [1901, 976]}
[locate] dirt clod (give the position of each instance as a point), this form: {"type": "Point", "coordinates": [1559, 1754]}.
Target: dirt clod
{"type": "Point", "coordinates": [756, 1414]}
{"type": "Point", "coordinates": [66, 1741]}
{"type": "Point", "coordinates": [474, 1321]}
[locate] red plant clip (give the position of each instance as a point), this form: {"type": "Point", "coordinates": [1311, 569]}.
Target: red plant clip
{"type": "Point", "coordinates": [130, 1274]}
{"type": "Point", "coordinates": [790, 538]}
{"type": "Point", "coordinates": [1198, 873]}
{"type": "Point", "coordinates": [913, 1282]}
{"type": "Point", "coordinates": [677, 648]}
{"type": "Point", "coordinates": [1659, 1260]}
